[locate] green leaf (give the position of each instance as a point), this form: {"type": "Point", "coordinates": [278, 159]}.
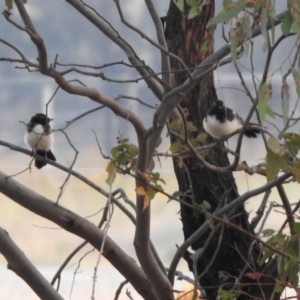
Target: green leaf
{"type": "Point", "coordinates": [223, 276]}
{"type": "Point", "coordinates": [114, 152]}
{"type": "Point", "coordinates": [291, 136]}
{"type": "Point", "coordinates": [201, 137]}
{"type": "Point", "coordinates": [195, 7]}
{"type": "Point", "coordinates": [161, 180]}
{"type": "Point", "coordinates": [230, 12]}
{"type": "Point", "coordinates": [9, 4]}
{"type": "Point", "coordinates": [194, 12]}
{"type": "Point", "coordinates": [264, 30]}
{"type": "Point", "coordinates": [268, 232]}
{"type": "Point", "coordinates": [159, 141]}
{"type": "Point", "coordinates": [175, 125]}
{"type": "Point", "coordinates": [226, 4]}
{"type": "Point", "coordinates": [285, 101]}
{"type": "Point", "coordinates": [150, 193]}
{"type": "Point", "coordinates": [296, 76]}
{"type": "Point", "coordinates": [177, 147]}
{"type": "Point", "coordinates": [155, 177]}
{"type": "Point", "coordinates": [296, 227]}
{"type": "Point", "coordinates": [228, 294]}
{"type": "Point", "coordinates": [179, 4]}
{"type": "Point", "coordinates": [246, 29]}
{"type": "Point", "coordinates": [191, 127]}
{"type": "Point", "coordinates": [275, 164]}
{"type": "Point", "coordinates": [121, 159]}
{"type": "Point", "coordinates": [293, 141]}
{"type": "Point", "coordinates": [270, 112]}
{"type": "Point", "coordinates": [131, 150]}
{"type": "Point", "coordinates": [206, 205]}
{"type": "Point", "coordinates": [124, 141]}
{"type": "Point", "coordinates": [296, 27]}
{"type": "Point", "coordinates": [111, 170]}
{"type": "Point", "coordinates": [234, 43]}
{"type": "Point", "coordinates": [264, 95]}
{"type": "Point", "coordinates": [293, 276]}
{"type": "Point", "coordinates": [279, 263]}
{"type": "Point", "coordinates": [296, 171]}
{"type": "Point", "coordinates": [271, 18]}
{"type": "Point", "coordinates": [204, 47]}
{"type": "Point", "coordinates": [177, 194]}
{"type": "Point", "coordinates": [286, 23]}
{"type": "Point", "coordinates": [124, 152]}
{"type": "Point", "coordinates": [279, 288]}
{"type": "Point", "coordinates": [275, 146]}
{"type": "Point", "coordinates": [194, 142]}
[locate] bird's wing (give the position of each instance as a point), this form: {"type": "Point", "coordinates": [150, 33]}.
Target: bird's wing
{"type": "Point", "coordinates": [230, 114]}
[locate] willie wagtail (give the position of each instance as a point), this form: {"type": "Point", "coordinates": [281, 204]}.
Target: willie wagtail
{"type": "Point", "coordinates": [221, 121]}
{"type": "Point", "coordinates": [38, 137]}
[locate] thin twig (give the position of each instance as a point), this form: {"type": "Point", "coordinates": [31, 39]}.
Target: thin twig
{"type": "Point", "coordinates": [63, 186]}
{"type": "Point", "coordinates": [287, 207]}
{"type": "Point", "coordinates": [109, 213]}
{"type": "Point", "coordinates": [119, 289]}
{"type": "Point", "coordinates": [261, 210]}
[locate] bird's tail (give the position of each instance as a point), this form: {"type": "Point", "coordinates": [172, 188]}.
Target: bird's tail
{"type": "Point", "coordinates": [251, 132]}
{"type": "Point", "coordinates": [47, 154]}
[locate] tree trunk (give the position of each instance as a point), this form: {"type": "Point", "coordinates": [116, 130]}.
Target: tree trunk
{"type": "Point", "coordinates": [192, 41]}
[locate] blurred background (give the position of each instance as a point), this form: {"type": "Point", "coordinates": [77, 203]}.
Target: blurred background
{"type": "Point", "coordinates": [67, 34]}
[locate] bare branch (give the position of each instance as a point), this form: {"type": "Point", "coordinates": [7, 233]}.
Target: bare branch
{"type": "Point", "coordinates": [287, 207]}
{"type": "Point", "coordinates": [117, 39]}
{"type": "Point", "coordinates": [261, 210]}
{"type": "Point", "coordinates": [118, 291]}
{"type": "Point", "coordinates": [30, 29]}
{"type": "Point", "coordinates": [23, 59]}
{"type": "Point", "coordinates": [109, 213]}
{"type": "Point", "coordinates": [67, 260]}
{"type": "Point", "coordinates": [163, 49]}
{"type": "Point", "coordinates": [91, 93]}
{"type": "Point", "coordinates": [165, 60]}
{"type": "Point", "coordinates": [286, 221]}
{"type": "Point", "coordinates": [21, 265]}
{"type": "Point", "coordinates": [62, 188]}
{"type": "Point", "coordinates": [80, 227]}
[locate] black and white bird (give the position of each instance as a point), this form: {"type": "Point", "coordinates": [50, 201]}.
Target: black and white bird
{"type": "Point", "coordinates": [39, 138]}
{"type": "Point", "coordinates": [221, 121]}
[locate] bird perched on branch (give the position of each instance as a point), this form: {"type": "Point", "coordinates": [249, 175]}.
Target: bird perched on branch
{"type": "Point", "coordinates": [38, 137]}
{"type": "Point", "coordinates": [221, 121]}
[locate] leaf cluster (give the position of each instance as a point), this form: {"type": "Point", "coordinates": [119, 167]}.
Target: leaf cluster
{"type": "Point", "coordinates": [123, 155]}
{"type": "Point", "coordinates": [185, 130]}
{"type": "Point", "coordinates": [153, 186]}
{"type": "Point", "coordinates": [283, 157]}
{"type": "Point", "coordinates": [9, 4]}
{"type": "Point", "coordinates": [287, 266]}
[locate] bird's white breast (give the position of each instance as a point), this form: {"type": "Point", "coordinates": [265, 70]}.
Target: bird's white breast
{"type": "Point", "coordinates": [37, 139]}
{"type": "Point", "coordinates": [217, 129]}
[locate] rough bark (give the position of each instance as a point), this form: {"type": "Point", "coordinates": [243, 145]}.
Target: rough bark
{"type": "Point", "coordinates": [185, 38]}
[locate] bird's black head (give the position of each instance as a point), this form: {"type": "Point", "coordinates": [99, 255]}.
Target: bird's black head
{"type": "Point", "coordinates": [219, 105]}
{"type": "Point", "coordinates": [40, 119]}
{"type": "Point", "coordinates": [217, 108]}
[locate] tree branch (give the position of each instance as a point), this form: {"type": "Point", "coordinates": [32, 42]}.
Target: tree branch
{"type": "Point", "coordinates": [81, 227]}
{"type": "Point", "coordinates": [106, 29]}
{"type": "Point", "coordinates": [91, 93]}
{"type": "Point", "coordinates": [21, 265]}
{"type": "Point", "coordinates": [165, 60]}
